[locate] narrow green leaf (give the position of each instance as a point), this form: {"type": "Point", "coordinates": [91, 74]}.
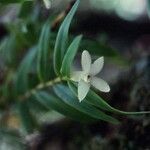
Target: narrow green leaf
{"type": "Point", "coordinates": [44, 53]}
{"type": "Point", "coordinates": [24, 68]}
{"type": "Point", "coordinates": [148, 7]}
{"type": "Point", "coordinates": [66, 95]}
{"type": "Point", "coordinates": [27, 120]}
{"type": "Point", "coordinates": [38, 107]}
{"type": "Point", "coordinates": [97, 101]}
{"type": "Point", "coordinates": [7, 47]}
{"type": "Point", "coordinates": [69, 56]}
{"type": "Point", "coordinates": [19, 31]}
{"type": "Point", "coordinates": [52, 102]}
{"type": "Point", "coordinates": [26, 9]}
{"type": "Point", "coordinates": [62, 39]}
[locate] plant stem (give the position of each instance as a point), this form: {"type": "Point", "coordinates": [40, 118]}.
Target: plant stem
{"type": "Point", "coordinates": [42, 86]}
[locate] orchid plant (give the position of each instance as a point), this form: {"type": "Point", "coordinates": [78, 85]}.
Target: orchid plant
{"type": "Point", "coordinates": [44, 80]}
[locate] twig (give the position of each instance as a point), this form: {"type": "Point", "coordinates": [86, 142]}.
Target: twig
{"type": "Point", "coordinates": [40, 87]}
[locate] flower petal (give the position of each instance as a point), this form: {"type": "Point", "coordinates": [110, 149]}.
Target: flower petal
{"type": "Point", "coordinates": [86, 61]}
{"type": "Point", "coordinates": [100, 84]}
{"type": "Point", "coordinates": [76, 76]}
{"type": "Point", "coordinates": [97, 66]}
{"type": "Point", "coordinates": [83, 88]}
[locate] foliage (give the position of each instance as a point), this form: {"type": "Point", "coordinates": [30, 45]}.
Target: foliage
{"type": "Point", "coordinates": [38, 68]}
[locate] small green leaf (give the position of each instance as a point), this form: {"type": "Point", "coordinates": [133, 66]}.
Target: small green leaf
{"type": "Point", "coordinates": [22, 81]}
{"type": "Point", "coordinates": [62, 39]}
{"type": "Point", "coordinates": [148, 7]}
{"type": "Point", "coordinates": [7, 50]}
{"type": "Point", "coordinates": [38, 107]}
{"type": "Point", "coordinates": [69, 56]}
{"type": "Point", "coordinates": [26, 9]}
{"type": "Point", "coordinates": [66, 95]}
{"type": "Point", "coordinates": [44, 53]}
{"type": "Point", "coordinates": [52, 102]}
{"type": "Point", "coordinates": [97, 101]}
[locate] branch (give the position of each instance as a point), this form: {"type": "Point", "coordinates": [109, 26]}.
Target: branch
{"type": "Point", "coordinates": [42, 86]}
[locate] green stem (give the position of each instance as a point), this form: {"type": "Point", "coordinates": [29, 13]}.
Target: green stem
{"type": "Point", "coordinates": [42, 86]}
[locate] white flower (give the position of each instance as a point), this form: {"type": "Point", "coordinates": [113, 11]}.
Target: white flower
{"type": "Point", "coordinates": [87, 77]}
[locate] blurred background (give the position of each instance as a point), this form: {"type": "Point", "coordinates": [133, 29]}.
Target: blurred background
{"type": "Point", "coordinates": [117, 29]}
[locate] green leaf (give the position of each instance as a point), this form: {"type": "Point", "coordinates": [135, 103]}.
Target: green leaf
{"type": "Point", "coordinates": [44, 53]}
{"type": "Point", "coordinates": [5, 89]}
{"type": "Point", "coordinates": [97, 101]}
{"type": "Point", "coordinates": [52, 102]}
{"type": "Point", "coordinates": [66, 95]}
{"type": "Point", "coordinates": [7, 47]}
{"type": "Point", "coordinates": [26, 9]}
{"type": "Point", "coordinates": [38, 107]}
{"type": "Point", "coordinates": [27, 120]}
{"type": "Point", "coordinates": [19, 32]}
{"type": "Point", "coordinates": [62, 39]}
{"type": "Point", "coordinates": [148, 7]}
{"type": "Point", "coordinates": [22, 81]}
{"type": "Point", "coordinates": [69, 56]}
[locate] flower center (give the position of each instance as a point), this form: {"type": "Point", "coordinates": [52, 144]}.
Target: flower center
{"type": "Point", "coordinates": [87, 78]}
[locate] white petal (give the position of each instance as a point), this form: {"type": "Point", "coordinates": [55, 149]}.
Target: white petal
{"type": "Point", "coordinates": [83, 88]}
{"type": "Point", "coordinates": [76, 76]}
{"type": "Point", "coordinates": [100, 84]}
{"type": "Point", "coordinates": [97, 66]}
{"type": "Point", "coordinates": [86, 61]}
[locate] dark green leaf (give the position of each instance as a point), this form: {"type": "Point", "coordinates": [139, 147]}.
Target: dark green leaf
{"type": "Point", "coordinates": [7, 47]}
{"type": "Point", "coordinates": [61, 40]}
{"type": "Point", "coordinates": [148, 7]}
{"type": "Point", "coordinates": [97, 101]}
{"type": "Point", "coordinates": [44, 53]}
{"type": "Point", "coordinates": [69, 56]}
{"type": "Point", "coordinates": [66, 95]}
{"type": "Point", "coordinates": [22, 81]}
{"type": "Point", "coordinates": [38, 107]}
{"type": "Point", "coordinates": [18, 31]}
{"type": "Point", "coordinates": [52, 102]}
{"type": "Point", "coordinates": [26, 9]}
